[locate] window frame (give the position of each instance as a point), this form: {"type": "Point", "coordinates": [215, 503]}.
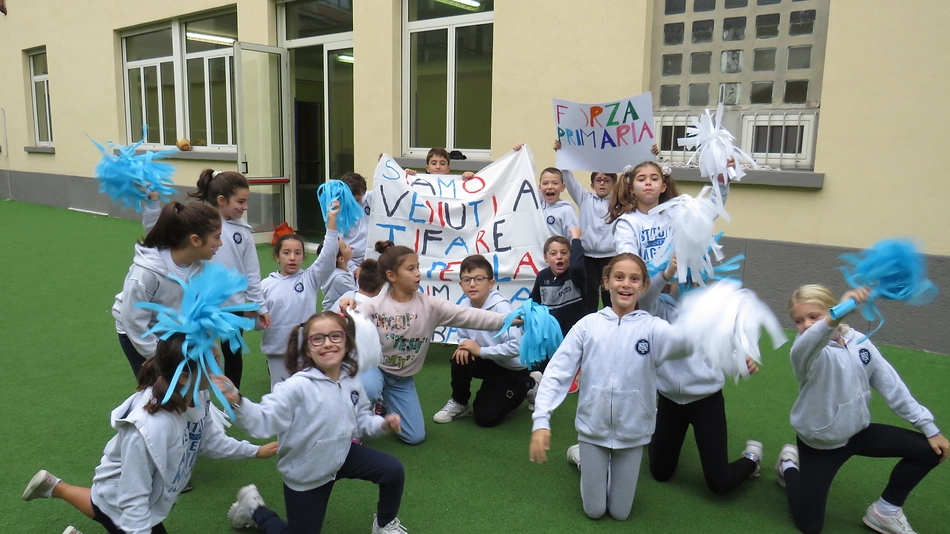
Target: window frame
{"type": "Point", "coordinates": [34, 79]}
{"type": "Point", "coordinates": [805, 118]}
{"type": "Point", "coordinates": [451, 24]}
{"type": "Point", "coordinates": [179, 59]}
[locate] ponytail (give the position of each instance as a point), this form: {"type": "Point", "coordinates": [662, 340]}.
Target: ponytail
{"type": "Point", "coordinates": [158, 372]}
{"type": "Point", "coordinates": [178, 222]}
{"type": "Point", "coordinates": [213, 184]}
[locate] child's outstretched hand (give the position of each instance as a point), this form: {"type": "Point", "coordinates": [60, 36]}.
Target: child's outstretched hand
{"type": "Point", "coordinates": [391, 423]}
{"type": "Point", "coordinates": [655, 149]}
{"type": "Point", "coordinates": [540, 444]}
{"type": "Point", "coordinates": [410, 172]}
{"type": "Point", "coordinates": [860, 295]}
{"type": "Point", "coordinates": [267, 450]}
{"type": "Point", "coordinates": [518, 147]}
{"type": "Point", "coordinates": [751, 366]}
{"type": "Point", "coordinates": [940, 445]}
{"type": "Point", "coordinates": [467, 175]}
{"type": "Point", "coordinates": [231, 393]}
{"type": "Point", "coordinates": [557, 146]}
{"type": "Point", "coordinates": [575, 232]}
{"type": "Point", "coordinates": [670, 271]}
{"type": "Point", "coordinates": [346, 304]}
{"type": "Point", "coordinates": [264, 320]}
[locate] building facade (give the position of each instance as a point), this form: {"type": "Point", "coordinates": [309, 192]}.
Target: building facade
{"type": "Point", "coordinates": [830, 94]}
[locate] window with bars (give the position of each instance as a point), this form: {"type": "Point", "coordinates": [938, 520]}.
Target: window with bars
{"type": "Point", "coordinates": [39, 88]}
{"type": "Point", "coordinates": [754, 56]}
{"type": "Point", "coordinates": [179, 82]}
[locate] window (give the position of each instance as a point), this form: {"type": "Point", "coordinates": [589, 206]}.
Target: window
{"type": "Point", "coordinates": [703, 31]}
{"type": "Point", "coordinates": [781, 138]}
{"type": "Point", "coordinates": [754, 56]}
{"type": "Point", "coordinates": [448, 86]}
{"type": "Point", "coordinates": [39, 85]}
{"type": "Point", "coordinates": [179, 82]}
{"type": "Point", "coordinates": [313, 18]}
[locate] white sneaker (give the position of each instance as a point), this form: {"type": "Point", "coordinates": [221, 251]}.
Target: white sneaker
{"type": "Point", "coordinates": [533, 392]}
{"type": "Point", "coordinates": [574, 455]}
{"type": "Point", "coordinates": [450, 411]}
{"type": "Point", "coordinates": [887, 524]}
{"type": "Point", "coordinates": [393, 527]}
{"type": "Point", "coordinates": [248, 500]}
{"type": "Point", "coordinates": [71, 530]}
{"type": "Point", "coordinates": [788, 453]}
{"type": "Point", "coordinates": [40, 486]}
{"type": "Point", "coordinates": [753, 451]}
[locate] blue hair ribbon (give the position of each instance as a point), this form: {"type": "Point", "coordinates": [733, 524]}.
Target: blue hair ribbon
{"type": "Point", "coordinates": [203, 320]}
{"type": "Point", "coordinates": [542, 333]}
{"type": "Point", "coordinates": [350, 210]}
{"type": "Point", "coordinates": [128, 178]}
{"type": "Point", "coordinates": [894, 269]}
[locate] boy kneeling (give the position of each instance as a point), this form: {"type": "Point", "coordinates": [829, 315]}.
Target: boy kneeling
{"type": "Point", "coordinates": [505, 382]}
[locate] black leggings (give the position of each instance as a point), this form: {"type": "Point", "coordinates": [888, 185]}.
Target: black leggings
{"type": "Point", "coordinates": [106, 522]}
{"type": "Point", "coordinates": [594, 270]}
{"type": "Point", "coordinates": [136, 360]}
{"type": "Point", "coordinates": [501, 392]}
{"type": "Point", "coordinates": [306, 510]}
{"type": "Point", "coordinates": [708, 417]}
{"type": "Point", "coordinates": [807, 487]}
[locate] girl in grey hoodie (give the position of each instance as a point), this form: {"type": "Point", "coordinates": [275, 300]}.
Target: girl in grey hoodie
{"type": "Point", "coordinates": [836, 368]}
{"type": "Point", "coordinates": [618, 350]}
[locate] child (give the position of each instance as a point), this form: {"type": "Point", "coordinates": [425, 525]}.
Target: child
{"type": "Point", "coordinates": [367, 277]}
{"type": "Point", "coordinates": [316, 414]}
{"type": "Point", "coordinates": [562, 285]}
{"type": "Point", "coordinates": [690, 393]}
{"type": "Point", "coordinates": [356, 237]}
{"type": "Point", "coordinates": [558, 214]}
{"type": "Point", "coordinates": [146, 464]}
{"type": "Point", "coordinates": [405, 319]}
{"type": "Point", "coordinates": [618, 350]}
{"type": "Point", "coordinates": [639, 190]}
{"type": "Point", "coordinates": [836, 370]}
{"type": "Point", "coordinates": [597, 236]}
{"type": "Point", "coordinates": [439, 162]}
{"type": "Point", "coordinates": [227, 192]}
{"type": "Point", "coordinates": [340, 279]}
{"type": "Point", "coordinates": [495, 360]}
{"type": "Point", "coordinates": [178, 243]}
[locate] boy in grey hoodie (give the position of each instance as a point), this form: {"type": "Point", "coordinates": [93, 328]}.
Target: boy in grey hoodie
{"type": "Point", "coordinates": [505, 381]}
{"type": "Point", "coordinates": [558, 214]}
{"type": "Point", "coordinates": [836, 368]}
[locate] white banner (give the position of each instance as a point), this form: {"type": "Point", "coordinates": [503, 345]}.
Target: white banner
{"type": "Point", "coordinates": [604, 137]}
{"type": "Point", "coordinates": [444, 219]}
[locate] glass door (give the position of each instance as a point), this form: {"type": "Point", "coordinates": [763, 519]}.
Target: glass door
{"type": "Point", "coordinates": [323, 125]}
{"type": "Point", "coordinates": [262, 96]}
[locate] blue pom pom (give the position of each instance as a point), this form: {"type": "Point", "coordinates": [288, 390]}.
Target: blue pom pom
{"type": "Point", "coordinates": [542, 333]}
{"type": "Point", "coordinates": [894, 269]}
{"type": "Point", "coordinates": [128, 178]}
{"type": "Point", "coordinates": [202, 320]}
{"type": "Point", "coordinates": [350, 210]}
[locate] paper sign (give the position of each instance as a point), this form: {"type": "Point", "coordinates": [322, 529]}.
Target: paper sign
{"type": "Point", "coordinates": [604, 137]}
{"type": "Point", "coordinates": [444, 219]}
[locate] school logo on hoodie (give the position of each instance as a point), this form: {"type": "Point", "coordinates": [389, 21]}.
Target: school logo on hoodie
{"type": "Point", "coordinates": [355, 397]}
{"type": "Point", "coordinates": [643, 347]}
{"type": "Point", "coordinates": [865, 356]}
{"type": "Point", "coordinates": [550, 219]}
{"type": "Point", "coordinates": [366, 209]}
{"type": "Point", "coordinates": [298, 287]}
{"type": "Point", "coordinates": [238, 238]}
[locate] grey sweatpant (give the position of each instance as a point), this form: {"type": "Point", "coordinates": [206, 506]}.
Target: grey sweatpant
{"type": "Point", "coordinates": [609, 479]}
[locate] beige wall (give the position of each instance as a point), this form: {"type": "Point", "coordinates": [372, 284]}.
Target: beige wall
{"type": "Point", "coordinates": [884, 171]}
{"type": "Point", "coordinates": [884, 97]}
{"type": "Point", "coordinates": [83, 47]}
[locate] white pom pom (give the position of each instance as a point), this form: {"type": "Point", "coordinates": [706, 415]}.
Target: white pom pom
{"type": "Point", "coordinates": [218, 416]}
{"type": "Point", "coordinates": [368, 350]}
{"type": "Point", "coordinates": [724, 322]}
{"type": "Point", "coordinates": [692, 239]}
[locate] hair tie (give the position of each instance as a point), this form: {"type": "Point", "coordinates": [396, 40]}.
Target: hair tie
{"type": "Point", "coordinates": [666, 170]}
{"type": "Point", "coordinates": [215, 173]}
{"type": "Point", "coordinates": [628, 169]}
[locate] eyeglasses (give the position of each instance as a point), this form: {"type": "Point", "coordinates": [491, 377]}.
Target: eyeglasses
{"type": "Point", "coordinates": [603, 181]}
{"type": "Point", "coordinates": [337, 336]}
{"type": "Point", "coordinates": [479, 280]}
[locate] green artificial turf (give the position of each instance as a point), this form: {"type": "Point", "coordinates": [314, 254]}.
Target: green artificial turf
{"type": "Point", "coordinates": [63, 372]}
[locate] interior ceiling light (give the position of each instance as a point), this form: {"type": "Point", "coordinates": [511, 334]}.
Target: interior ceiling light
{"type": "Point", "coordinates": [208, 38]}
{"type": "Point", "coordinates": [470, 5]}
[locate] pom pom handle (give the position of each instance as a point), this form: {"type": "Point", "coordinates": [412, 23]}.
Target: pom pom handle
{"type": "Point", "coordinates": [843, 309]}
